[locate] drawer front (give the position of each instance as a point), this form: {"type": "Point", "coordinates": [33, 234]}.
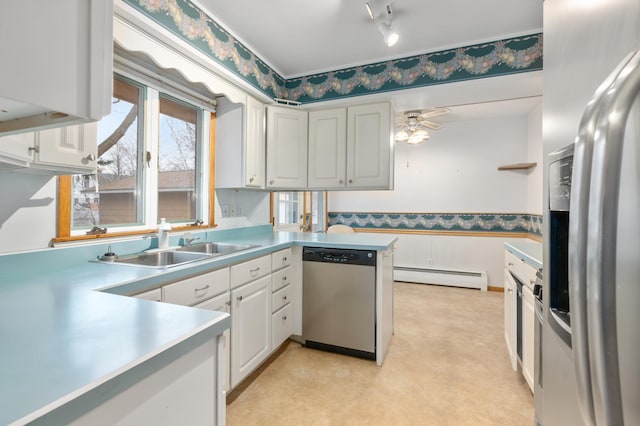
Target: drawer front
{"type": "Point", "coordinates": [280, 298]}
{"type": "Point", "coordinates": [281, 278]}
{"type": "Point", "coordinates": [197, 289]}
{"type": "Point", "coordinates": [280, 259]}
{"type": "Point", "coordinates": [155, 294]}
{"type": "Point", "coordinates": [518, 267]}
{"type": "Point", "coordinates": [281, 326]}
{"type": "Point", "coordinates": [249, 271]}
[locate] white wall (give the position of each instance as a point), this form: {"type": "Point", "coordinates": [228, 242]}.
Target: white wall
{"type": "Point", "coordinates": [27, 211]}
{"type": "Point", "coordinates": [534, 155]}
{"type": "Point", "coordinates": [454, 171]}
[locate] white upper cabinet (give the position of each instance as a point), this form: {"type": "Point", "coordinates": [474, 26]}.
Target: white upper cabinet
{"type": "Point", "coordinates": [255, 154]}
{"type": "Point", "coordinates": [370, 146]}
{"type": "Point", "coordinates": [287, 135]}
{"type": "Point", "coordinates": [57, 59]}
{"type": "Point", "coordinates": [62, 150]}
{"type": "Point", "coordinates": [351, 148]}
{"type": "Point", "coordinates": [67, 150]}
{"type": "Point", "coordinates": [327, 149]}
{"type": "Point", "coordinates": [240, 141]}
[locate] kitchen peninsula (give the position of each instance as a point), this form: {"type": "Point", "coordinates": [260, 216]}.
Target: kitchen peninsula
{"type": "Point", "coordinates": [74, 351]}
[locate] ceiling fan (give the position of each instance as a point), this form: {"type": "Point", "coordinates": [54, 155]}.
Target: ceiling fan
{"type": "Point", "coordinates": [411, 126]}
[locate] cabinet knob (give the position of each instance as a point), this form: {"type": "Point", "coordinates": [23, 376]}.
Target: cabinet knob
{"type": "Point", "coordinates": [284, 278]}
{"type": "Point", "coordinates": [35, 149]}
{"type": "Point", "coordinates": [509, 290]}
{"type": "Point", "coordinates": [350, 180]}
{"type": "Point", "coordinates": [271, 182]}
{"type": "Point", "coordinates": [240, 298]}
{"type": "Point", "coordinates": [284, 259]}
{"type": "Point", "coordinates": [284, 297]}
{"type": "Point", "coordinates": [251, 179]}
{"type": "Point", "coordinates": [227, 303]}
{"type": "Point", "coordinates": [340, 181]}
{"type": "Point", "coordinates": [510, 265]}
{"type": "Point", "coordinates": [284, 318]}
{"type": "Point", "coordinates": [91, 157]}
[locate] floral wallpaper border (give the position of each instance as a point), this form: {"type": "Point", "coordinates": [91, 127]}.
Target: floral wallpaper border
{"type": "Point", "coordinates": [464, 222]}
{"type": "Point", "coordinates": [502, 57]}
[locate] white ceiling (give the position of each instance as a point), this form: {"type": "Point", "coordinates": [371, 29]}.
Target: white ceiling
{"type": "Point", "coordinates": [302, 37]}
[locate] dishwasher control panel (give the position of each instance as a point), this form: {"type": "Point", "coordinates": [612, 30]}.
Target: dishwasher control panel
{"type": "Point", "coordinates": [343, 256]}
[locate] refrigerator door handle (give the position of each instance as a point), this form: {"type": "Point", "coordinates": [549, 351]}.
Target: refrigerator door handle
{"type": "Point", "coordinates": [601, 240]}
{"type": "Point", "coordinates": [578, 217]}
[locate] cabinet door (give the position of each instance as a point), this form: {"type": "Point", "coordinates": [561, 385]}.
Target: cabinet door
{"type": "Point", "coordinates": [68, 149]}
{"type": "Point", "coordinates": [255, 144]}
{"type": "Point", "coordinates": [510, 318]}
{"type": "Point", "coordinates": [17, 150]}
{"type": "Point", "coordinates": [282, 326]}
{"type": "Point", "coordinates": [369, 147]}
{"type": "Point", "coordinates": [528, 342]}
{"type": "Point", "coordinates": [222, 303]}
{"type": "Point", "coordinates": [327, 148]}
{"type": "Point", "coordinates": [250, 327]}
{"type": "Point", "coordinates": [286, 148]}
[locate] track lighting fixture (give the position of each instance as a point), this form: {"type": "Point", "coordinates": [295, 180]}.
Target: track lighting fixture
{"type": "Point", "coordinates": [382, 9]}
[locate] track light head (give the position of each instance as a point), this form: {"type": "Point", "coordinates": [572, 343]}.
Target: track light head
{"type": "Point", "coordinates": [390, 36]}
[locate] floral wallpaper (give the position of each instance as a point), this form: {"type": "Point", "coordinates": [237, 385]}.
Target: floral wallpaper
{"type": "Point", "coordinates": [183, 18]}
{"type": "Point", "coordinates": [476, 222]}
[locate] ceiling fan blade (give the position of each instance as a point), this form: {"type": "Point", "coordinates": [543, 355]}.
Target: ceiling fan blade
{"type": "Point", "coordinates": [435, 112]}
{"type": "Point", "coordinates": [430, 125]}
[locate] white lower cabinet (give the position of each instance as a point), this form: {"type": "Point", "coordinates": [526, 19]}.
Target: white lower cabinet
{"type": "Point", "coordinates": [528, 341]}
{"type": "Point", "coordinates": [250, 327]}
{"type": "Point", "coordinates": [222, 303]}
{"type": "Point", "coordinates": [281, 325]}
{"type": "Point", "coordinates": [510, 319]}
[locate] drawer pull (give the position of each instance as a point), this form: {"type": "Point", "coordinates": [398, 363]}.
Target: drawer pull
{"type": "Point", "coordinates": [284, 297]}
{"type": "Point", "coordinates": [228, 303]}
{"type": "Point", "coordinates": [201, 288]}
{"type": "Point", "coordinates": [510, 265]}
{"type": "Point", "coordinates": [253, 272]}
{"type": "Point", "coordinates": [284, 318]}
{"type": "Point", "coordinates": [240, 298]}
{"type": "Point", "coordinates": [510, 290]}
{"type": "Point", "coordinates": [284, 278]}
{"type": "Point", "coordinates": [284, 259]}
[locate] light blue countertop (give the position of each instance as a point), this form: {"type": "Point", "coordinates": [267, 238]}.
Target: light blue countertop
{"type": "Point", "coordinates": [62, 339]}
{"type": "Point", "coordinates": [530, 251]}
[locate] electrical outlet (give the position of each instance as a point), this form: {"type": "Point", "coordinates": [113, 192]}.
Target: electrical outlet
{"type": "Point", "coordinates": [233, 210]}
{"type": "Point", "coordinates": [429, 262]}
{"type": "Point", "coordinates": [225, 210]}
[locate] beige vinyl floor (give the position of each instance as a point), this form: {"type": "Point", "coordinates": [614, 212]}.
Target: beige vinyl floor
{"type": "Point", "coordinates": [446, 365]}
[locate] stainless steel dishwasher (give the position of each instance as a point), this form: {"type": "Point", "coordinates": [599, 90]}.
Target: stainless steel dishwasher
{"type": "Point", "coordinates": [339, 300]}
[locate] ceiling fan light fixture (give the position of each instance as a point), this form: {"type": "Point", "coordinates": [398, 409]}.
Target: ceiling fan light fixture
{"type": "Point", "coordinates": [390, 36]}
{"type": "Point", "coordinates": [401, 136]}
{"type": "Point", "coordinates": [417, 137]}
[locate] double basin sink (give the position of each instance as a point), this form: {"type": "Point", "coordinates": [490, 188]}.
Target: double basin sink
{"type": "Point", "coordinates": [178, 256]}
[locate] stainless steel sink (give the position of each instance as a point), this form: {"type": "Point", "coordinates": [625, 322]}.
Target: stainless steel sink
{"type": "Point", "coordinates": [175, 257]}
{"type": "Point", "coordinates": [160, 259]}
{"type": "Point", "coordinates": [215, 249]}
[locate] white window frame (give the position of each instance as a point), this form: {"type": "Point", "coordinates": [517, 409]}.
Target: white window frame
{"type": "Point", "coordinates": [150, 135]}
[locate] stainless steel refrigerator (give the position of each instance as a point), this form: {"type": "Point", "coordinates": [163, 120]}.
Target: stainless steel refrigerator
{"type": "Point", "coordinates": [591, 334]}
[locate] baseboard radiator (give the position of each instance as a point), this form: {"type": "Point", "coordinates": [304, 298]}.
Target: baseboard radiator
{"type": "Point", "coordinates": [448, 277]}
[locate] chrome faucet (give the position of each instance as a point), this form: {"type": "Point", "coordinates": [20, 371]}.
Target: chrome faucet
{"type": "Point", "coordinates": [188, 241]}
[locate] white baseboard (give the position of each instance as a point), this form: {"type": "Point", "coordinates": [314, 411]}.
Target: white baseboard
{"type": "Point", "coordinates": [448, 277]}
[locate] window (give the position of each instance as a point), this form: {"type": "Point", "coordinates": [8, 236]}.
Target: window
{"type": "Point", "coordinates": [299, 211]}
{"type": "Point", "coordinates": [112, 196]}
{"type": "Point", "coordinates": [150, 164]}
{"type": "Point", "coordinates": [177, 165]}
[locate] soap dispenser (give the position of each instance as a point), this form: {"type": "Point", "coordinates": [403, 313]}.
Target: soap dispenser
{"type": "Point", "coordinates": [163, 234]}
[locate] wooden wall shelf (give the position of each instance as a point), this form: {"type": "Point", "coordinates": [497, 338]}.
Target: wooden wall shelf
{"type": "Point", "coordinates": [518, 166]}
